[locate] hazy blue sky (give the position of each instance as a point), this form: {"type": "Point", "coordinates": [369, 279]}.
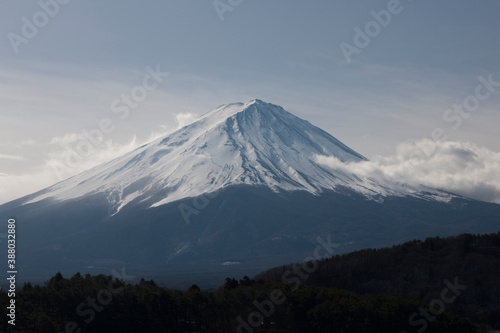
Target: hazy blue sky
{"type": "Point", "coordinates": [62, 78]}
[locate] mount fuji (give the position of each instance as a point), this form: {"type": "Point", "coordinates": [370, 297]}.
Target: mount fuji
{"type": "Point", "coordinates": [238, 190]}
{"type": "Point", "coordinates": [256, 143]}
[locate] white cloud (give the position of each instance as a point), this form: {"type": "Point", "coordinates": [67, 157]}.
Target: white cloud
{"type": "Point", "coordinates": [184, 119]}
{"type": "Point", "coordinates": [11, 157]}
{"type": "Point", "coordinates": [67, 138]}
{"type": "Point", "coordinates": [69, 161]}
{"type": "Point", "coordinates": [458, 167]}
{"type": "Point", "coordinates": [57, 167]}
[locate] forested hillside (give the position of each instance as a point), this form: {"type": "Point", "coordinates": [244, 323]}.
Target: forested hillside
{"type": "Point", "coordinates": [417, 270]}
{"type": "Point", "coordinates": [103, 304]}
{"type": "Point", "coordinates": [437, 285]}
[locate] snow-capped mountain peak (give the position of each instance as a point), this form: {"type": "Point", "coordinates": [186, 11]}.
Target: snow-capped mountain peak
{"type": "Point", "coordinates": [255, 143]}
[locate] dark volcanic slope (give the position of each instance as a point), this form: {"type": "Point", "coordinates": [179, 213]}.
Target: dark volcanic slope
{"type": "Point", "coordinates": [249, 225]}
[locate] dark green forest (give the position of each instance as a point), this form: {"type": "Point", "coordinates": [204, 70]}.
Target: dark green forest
{"type": "Point", "coordinates": [417, 270]}
{"type": "Point", "coordinates": [146, 307]}
{"type": "Point", "coordinates": [437, 285]}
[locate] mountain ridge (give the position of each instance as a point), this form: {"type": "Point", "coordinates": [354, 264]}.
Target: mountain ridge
{"type": "Point", "coordinates": [254, 143]}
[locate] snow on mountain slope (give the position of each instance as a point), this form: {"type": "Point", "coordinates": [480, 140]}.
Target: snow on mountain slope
{"type": "Point", "coordinates": [256, 143]}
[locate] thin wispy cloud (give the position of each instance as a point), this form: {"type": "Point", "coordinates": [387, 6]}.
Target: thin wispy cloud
{"type": "Point", "coordinates": [67, 138]}
{"type": "Point", "coordinates": [11, 157]}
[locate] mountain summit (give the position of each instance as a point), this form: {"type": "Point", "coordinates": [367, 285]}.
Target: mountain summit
{"type": "Point", "coordinates": [237, 191]}
{"type": "Point", "coordinates": [255, 143]}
